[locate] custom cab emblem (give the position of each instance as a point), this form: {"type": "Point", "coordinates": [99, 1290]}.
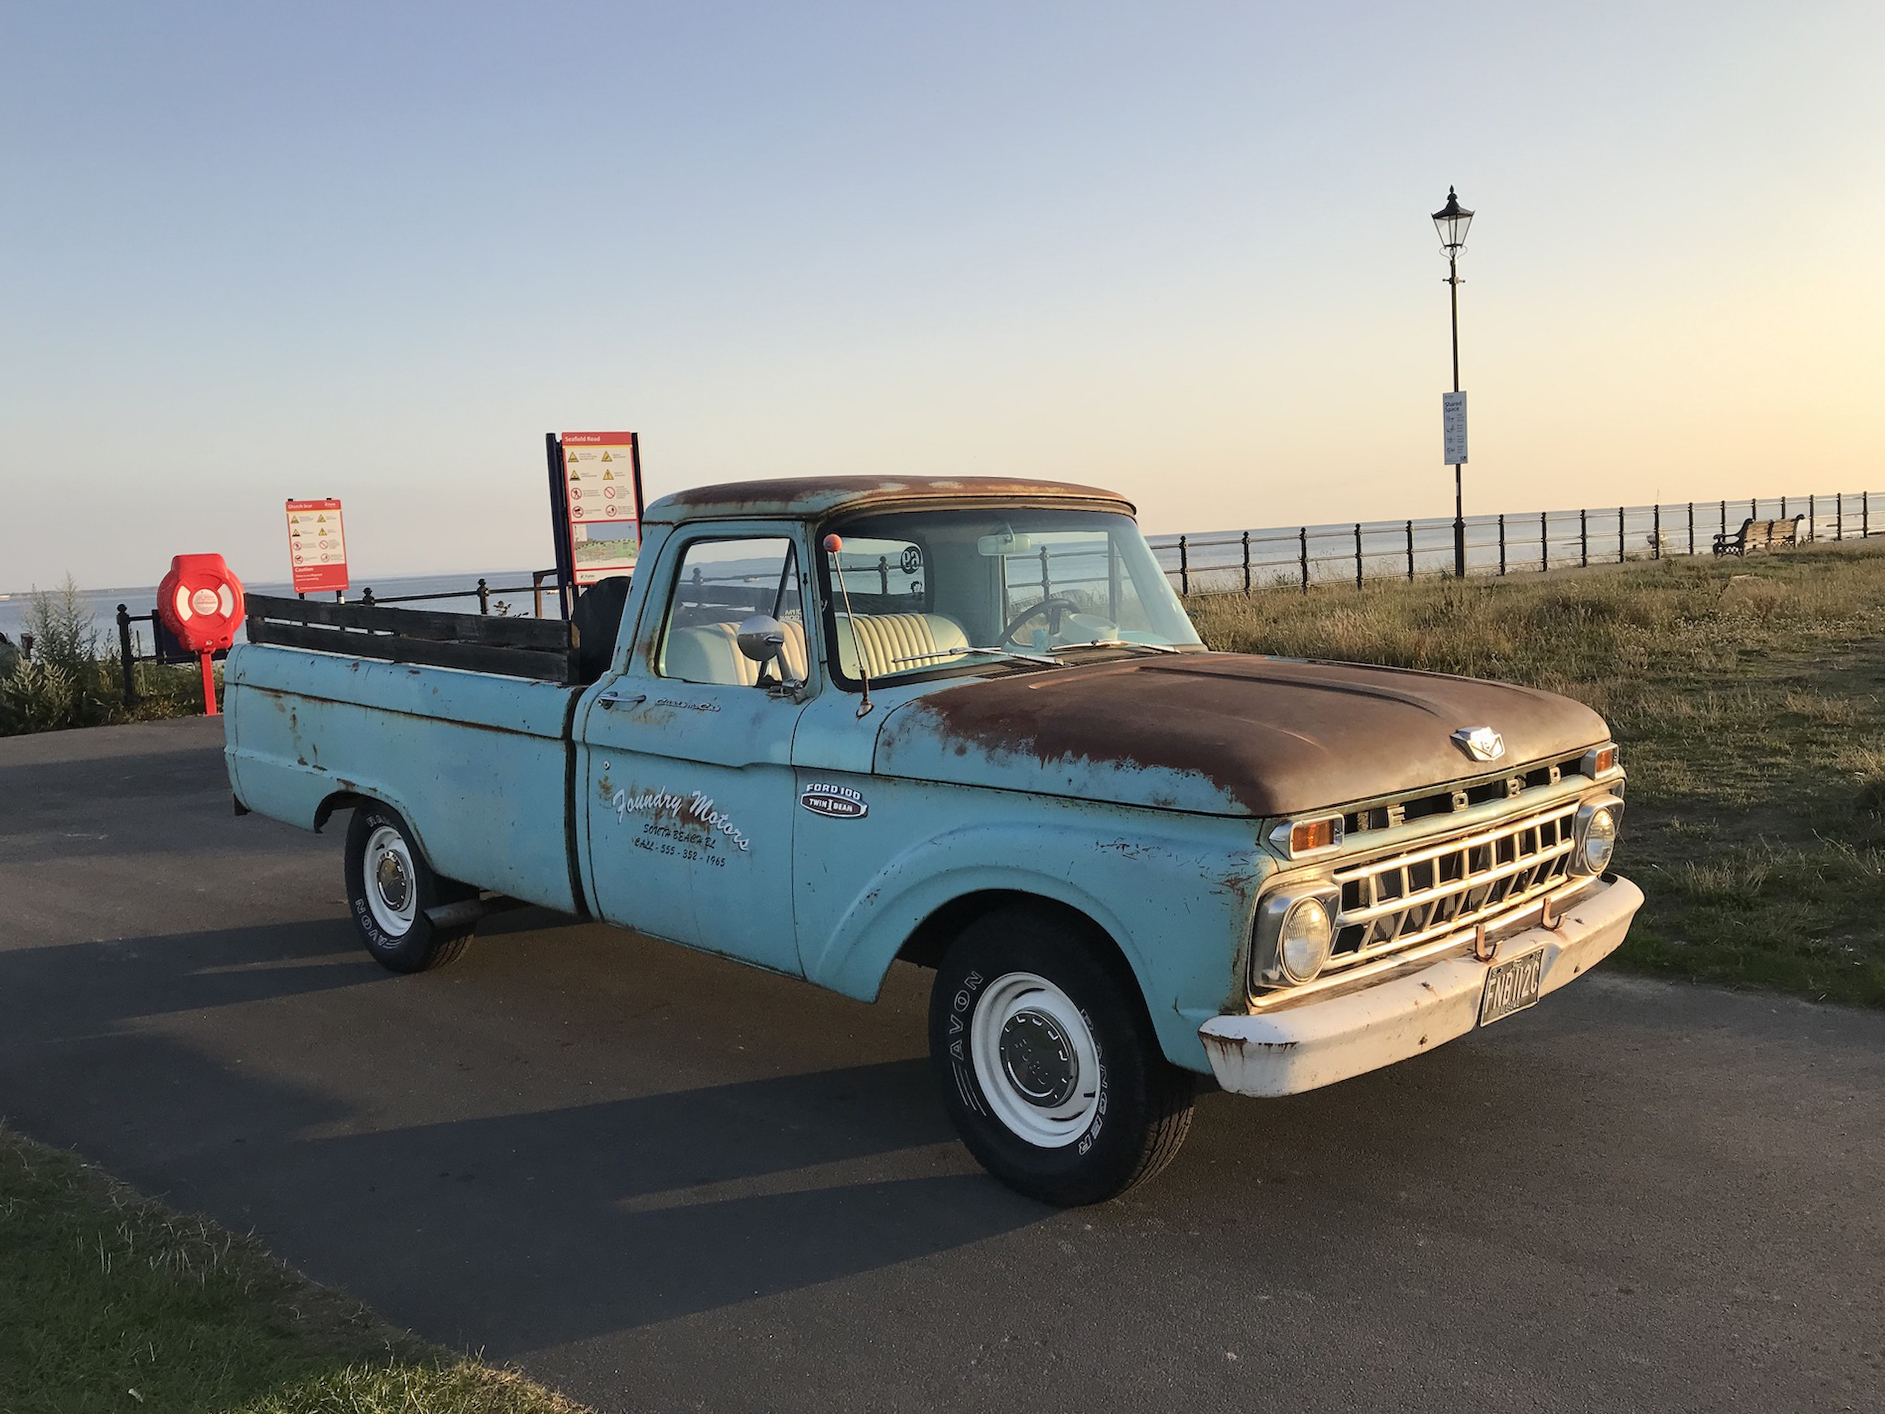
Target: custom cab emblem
{"type": "Point", "coordinates": [837, 802]}
{"type": "Point", "coordinates": [1480, 743]}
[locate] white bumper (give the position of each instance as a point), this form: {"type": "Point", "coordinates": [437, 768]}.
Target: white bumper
{"type": "Point", "coordinates": [1320, 1042]}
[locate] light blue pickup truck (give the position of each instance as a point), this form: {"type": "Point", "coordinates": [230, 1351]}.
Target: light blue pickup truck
{"type": "Point", "coordinates": [966, 723]}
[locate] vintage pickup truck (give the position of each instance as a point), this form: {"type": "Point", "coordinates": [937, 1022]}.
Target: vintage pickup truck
{"type": "Point", "coordinates": [966, 723]}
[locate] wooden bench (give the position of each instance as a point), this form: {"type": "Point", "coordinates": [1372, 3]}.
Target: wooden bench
{"type": "Point", "coordinates": [1757, 535]}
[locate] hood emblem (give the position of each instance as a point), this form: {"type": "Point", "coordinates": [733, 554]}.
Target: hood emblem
{"type": "Point", "coordinates": [1480, 743]}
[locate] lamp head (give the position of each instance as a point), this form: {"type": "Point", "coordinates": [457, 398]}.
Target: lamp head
{"type": "Point", "coordinates": [1451, 222]}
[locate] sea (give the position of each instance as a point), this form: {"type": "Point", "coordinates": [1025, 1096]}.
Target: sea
{"type": "Point", "coordinates": [102, 604]}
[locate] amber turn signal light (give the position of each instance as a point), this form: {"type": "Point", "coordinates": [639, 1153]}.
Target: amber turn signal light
{"type": "Point", "coordinates": [1307, 835]}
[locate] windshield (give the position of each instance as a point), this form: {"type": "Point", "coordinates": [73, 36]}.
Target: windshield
{"type": "Point", "coordinates": [950, 591]}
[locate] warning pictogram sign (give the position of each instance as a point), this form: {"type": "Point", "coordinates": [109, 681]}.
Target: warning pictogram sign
{"type": "Point", "coordinates": [317, 547]}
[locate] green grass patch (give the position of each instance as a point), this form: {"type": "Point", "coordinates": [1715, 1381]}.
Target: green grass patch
{"type": "Point", "coordinates": [111, 1302]}
{"type": "Point", "coordinates": [1749, 698]}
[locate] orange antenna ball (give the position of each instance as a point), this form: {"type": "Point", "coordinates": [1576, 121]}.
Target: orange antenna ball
{"type": "Point", "coordinates": [833, 544]}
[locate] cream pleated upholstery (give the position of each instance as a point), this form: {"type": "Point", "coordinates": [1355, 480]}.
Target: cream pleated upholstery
{"type": "Point", "coordinates": [886, 638]}
{"type": "Point", "coordinates": [710, 653]}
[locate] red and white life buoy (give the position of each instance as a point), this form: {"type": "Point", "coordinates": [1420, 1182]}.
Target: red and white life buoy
{"type": "Point", "coordinates": [200, 601]}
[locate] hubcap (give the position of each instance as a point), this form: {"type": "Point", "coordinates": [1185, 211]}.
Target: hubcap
{"type": "Point", "coordinates": [391, 885]}
{"type": "Point", "coordinates": [1035, 1059]}
{"type": "Point", "coordinates": [1039, 1061]}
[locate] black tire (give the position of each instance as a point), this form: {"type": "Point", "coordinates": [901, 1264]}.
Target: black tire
{"type": "Point", "coordinates": [409, 887]}
{"type": "Point", "coordinates": [1107, 1109]}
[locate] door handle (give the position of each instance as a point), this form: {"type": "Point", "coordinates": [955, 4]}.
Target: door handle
{"type": "Point", "coordinates": [611, 699]}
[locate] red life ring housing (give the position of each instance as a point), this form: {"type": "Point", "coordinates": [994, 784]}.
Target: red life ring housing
{"type": "Point", "coordinates": [200, 601]}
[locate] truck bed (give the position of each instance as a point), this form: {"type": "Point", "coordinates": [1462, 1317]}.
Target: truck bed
{"type": "Point", "coordinates": [332, 702]}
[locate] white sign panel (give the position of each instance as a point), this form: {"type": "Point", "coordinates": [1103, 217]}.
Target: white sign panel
{"type": "Point", "coordinates": [1453, 426]}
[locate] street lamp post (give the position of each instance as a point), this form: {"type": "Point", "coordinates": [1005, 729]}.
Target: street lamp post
{"type": "Point", "coordinates": [1451, 222]}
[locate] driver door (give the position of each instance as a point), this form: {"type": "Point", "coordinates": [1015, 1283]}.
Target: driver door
{"type": "Point", "coordinates": [685, 757]}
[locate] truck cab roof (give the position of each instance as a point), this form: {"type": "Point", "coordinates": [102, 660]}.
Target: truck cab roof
{"type": "Point", "coordinates": [811, 497]}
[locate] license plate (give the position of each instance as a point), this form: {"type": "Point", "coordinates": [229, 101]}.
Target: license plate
{"type": "Point", "coordinates": [1512, 986]}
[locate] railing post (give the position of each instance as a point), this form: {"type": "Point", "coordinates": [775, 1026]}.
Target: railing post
{"type": "Point", "coordinates": [1655, 534]}
{"type": "Point", "coordinates": [1865, 515]}
{"type": "Point", "coordinates": [1544, 542]}
{"type": "Point", "coordinates": [125, 658]}
{"type": "Point", "coordinates": [1839, 517]}
{"type": "Point", "coordinates": [1501, 543]}
{"type": "Point", "coordinates": [1358, 554]}
{"type": "Point", "coordinates": [1302, 538]}
{"type": "Point", "coordinates": [1622, 549]}
{"type": "Point", "coordinates": [1410, 552]}
{"type": "Point", "coordinates": [883, 574]}
{"type": "Point", "coordinates": [1724, 518]}
{"type": "Point", "coordinates": [1583, 538]}
{"type": "Point", "coordinates": [1246, 562]}
{"type": "Point", "coordinates": [1691, 527]}
{"type": "Point", "coordinates": [1184, 567]}
{"type": "Point", "coordinates": [484, 596]}
{"type": "Point", "coordinates": [536, 592]}
{"type": "Point", "coordinates": [1813, 517]}
{"type": "Point", "coordinates": [1783, 507]}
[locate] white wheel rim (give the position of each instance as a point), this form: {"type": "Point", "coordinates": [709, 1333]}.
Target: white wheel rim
{"type": "Point", "coordinates": [390, 882]}
{"type": "Point", "coordinates": [1035, 1059]}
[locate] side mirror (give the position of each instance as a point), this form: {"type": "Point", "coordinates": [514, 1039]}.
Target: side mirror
{"type": "Point", "coordinates": [762, 639]}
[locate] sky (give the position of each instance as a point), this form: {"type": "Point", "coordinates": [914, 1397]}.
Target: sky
{"type": "Point", "coordinates": [1182, 250]}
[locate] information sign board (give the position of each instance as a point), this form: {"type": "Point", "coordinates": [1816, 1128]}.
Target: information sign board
{"type": "Point", "coordinates": [317, 547]}
{"type": "Point", "coordinates": [601, 490]}
{"type": "Point", "coordinates": [1453, 427]}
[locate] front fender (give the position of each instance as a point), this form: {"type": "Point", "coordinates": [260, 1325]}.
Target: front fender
{"type": "Point", "coordinates": [1178, 905]}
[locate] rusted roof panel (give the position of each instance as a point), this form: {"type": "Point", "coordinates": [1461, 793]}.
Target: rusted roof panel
{"type": "Point", "coordinates": [809, 496]}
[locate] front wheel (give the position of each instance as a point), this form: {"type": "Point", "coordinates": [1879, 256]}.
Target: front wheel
{"type": "Point", "coordinates": [389, 888]}
{"type": "Point", "coordinates": [1047, 1061]}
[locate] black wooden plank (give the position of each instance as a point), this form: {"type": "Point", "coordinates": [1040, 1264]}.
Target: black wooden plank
{"type": "Point", "coordinates": [396, 648]}
{"type": "Point", "coordinates": [496, 630]}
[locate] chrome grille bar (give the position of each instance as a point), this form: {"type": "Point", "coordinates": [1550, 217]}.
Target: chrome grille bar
{"type": "Point", "coordinates": [1404, 900]}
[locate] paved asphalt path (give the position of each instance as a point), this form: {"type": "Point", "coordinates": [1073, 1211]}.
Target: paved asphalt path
{"type": "Point", "coordinates": [661, 1181]}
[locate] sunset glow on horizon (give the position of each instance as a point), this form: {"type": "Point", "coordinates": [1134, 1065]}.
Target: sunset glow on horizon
{"type": "Point", "coordinates": [1180, 251]}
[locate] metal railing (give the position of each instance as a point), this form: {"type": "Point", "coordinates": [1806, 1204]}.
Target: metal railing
{"type": "Point", "coordinates": [482, 592]}
{"type": "Point", "coordinates": [1228, 562]}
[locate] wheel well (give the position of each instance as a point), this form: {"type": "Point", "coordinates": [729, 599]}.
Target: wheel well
{"type": "Point", "coordinates": [931, 938]}
{"type": "Point", "coordinates": [339, 800]}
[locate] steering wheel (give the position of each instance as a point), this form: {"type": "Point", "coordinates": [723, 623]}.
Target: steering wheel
{"type": "Point", "coordinates": [1054, 606]}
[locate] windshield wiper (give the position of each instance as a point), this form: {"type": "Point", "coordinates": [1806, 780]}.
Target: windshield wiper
{"type": "Point", "coordinates": [1117, 643]}
{"type": "Point", "coordinates": [958, 652]}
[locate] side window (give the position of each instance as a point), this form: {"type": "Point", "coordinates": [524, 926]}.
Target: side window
{"type": "Point", "coordinates": [720, 583]}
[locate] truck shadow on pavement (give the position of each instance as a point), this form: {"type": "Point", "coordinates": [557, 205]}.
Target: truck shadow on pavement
{"type": "Point", "coordinates": [506, 1231]}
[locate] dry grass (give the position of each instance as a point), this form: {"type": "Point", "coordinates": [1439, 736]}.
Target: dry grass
{"type": "Point", "coordinates": [1749, 705]}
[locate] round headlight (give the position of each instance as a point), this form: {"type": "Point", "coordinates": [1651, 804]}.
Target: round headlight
{"type": "Point", "coordinates": [1600, 841]}
{"type": "Point", "coordinates": [1303, 942]}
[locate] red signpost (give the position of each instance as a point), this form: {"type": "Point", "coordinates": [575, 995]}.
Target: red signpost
{"type": "Point", "coordinates": [317, 548]}
{"type": "Point", "coordinates": [201, 603]}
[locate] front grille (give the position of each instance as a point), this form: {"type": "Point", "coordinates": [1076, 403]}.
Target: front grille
{"type": "Point", "coordinates": [1399, 902]}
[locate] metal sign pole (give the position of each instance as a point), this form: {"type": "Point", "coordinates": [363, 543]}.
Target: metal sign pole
{"type": "Point", "coordinates": [634, 460]}
{"type": "Point", "coordinates": [559, 523]}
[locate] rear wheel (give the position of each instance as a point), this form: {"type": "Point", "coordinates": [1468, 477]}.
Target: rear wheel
{"type": "Point", "coordinates": [389, 888]}
{"type": "Point", "coordinates": [1047, 1061]}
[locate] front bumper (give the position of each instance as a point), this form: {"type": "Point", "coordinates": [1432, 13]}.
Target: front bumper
{"type": "Point", "coordinates": [1317, 1043]}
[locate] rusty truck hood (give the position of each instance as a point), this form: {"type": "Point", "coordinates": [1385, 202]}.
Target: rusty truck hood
{"type": "Point", "coordinates": [1223, 733]}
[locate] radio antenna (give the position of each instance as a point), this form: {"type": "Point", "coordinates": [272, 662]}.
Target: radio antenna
{"type": "Point", "coordinates": [833, 544]}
